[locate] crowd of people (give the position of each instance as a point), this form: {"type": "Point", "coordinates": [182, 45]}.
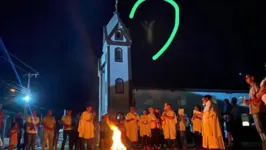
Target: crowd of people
{"type": "Point", "coordinates": [158, 130]}
{"type": "Point", "coordinates": [152, 129]}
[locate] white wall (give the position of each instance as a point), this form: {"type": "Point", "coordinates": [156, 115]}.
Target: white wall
{"type": "Point", "coordinates": [119, 102]}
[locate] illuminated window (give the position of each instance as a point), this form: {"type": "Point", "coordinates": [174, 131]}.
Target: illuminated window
{"type": "Point", "coordinates": [118, 55]}
{"type": "Point", "coordinates": [118, 35]}
{"type": "Point", "coordinates": [119, 86]}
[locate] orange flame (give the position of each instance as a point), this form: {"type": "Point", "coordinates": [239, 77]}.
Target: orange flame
{"type": "Point", "coordinates": [117, 143]}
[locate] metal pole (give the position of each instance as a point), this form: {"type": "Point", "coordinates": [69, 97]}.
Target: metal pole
{"type": "Point", "coordinates": [29, 75]}
{"type": "Point", "coordinates": [28, 86]}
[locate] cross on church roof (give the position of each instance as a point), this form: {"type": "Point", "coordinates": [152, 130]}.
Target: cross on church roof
{"type": "Point", "coordinates": [116, 6]}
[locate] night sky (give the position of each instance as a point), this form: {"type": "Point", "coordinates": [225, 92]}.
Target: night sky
{"type": "Point", "coordinates": [62, 39]}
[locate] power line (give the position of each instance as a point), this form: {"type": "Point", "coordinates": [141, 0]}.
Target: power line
{"type": "Point", "coordinates": [5, 60]}
{"type": "Point", "coordinates": [10, 54]}
{"type": "Point", "coordinates": [23, 62]}
{"type": "Point", "coordinates": [10, 60]}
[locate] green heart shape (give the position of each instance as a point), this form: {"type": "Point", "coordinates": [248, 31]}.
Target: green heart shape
{"type": "Point", "coordinates": [173, 33]}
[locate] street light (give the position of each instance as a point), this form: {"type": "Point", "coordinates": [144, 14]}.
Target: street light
{"type": "Point", "coordinates": [13, 90]}
{"type": "Point", "coordinates": [26, 98]}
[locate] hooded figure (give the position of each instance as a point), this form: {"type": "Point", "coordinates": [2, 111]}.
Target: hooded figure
{"type": "Point", "coordinates": [149, 30]}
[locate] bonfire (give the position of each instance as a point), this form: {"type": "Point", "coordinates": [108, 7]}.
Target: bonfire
{"type": "Point", "coordinates": [117, 142]}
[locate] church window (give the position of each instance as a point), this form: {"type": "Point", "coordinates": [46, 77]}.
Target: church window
{"type": "Point", "coordinates": [118, 35]}
{"type": "Point", "coordinates": [119, 86]}
{"type": "Point", "coordinates": [118, 55]}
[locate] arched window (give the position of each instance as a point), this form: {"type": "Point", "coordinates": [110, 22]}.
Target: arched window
{"type": "Point", "coordinates": [118, 55]}
{"type": "Point", "coordinates": [119, 86]}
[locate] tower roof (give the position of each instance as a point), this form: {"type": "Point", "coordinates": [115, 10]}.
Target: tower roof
{"type": "Point", "coordinates": [116, 22]}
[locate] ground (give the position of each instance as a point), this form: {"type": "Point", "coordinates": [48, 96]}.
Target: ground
{"type": "Point", "coordinates": [246, 146]}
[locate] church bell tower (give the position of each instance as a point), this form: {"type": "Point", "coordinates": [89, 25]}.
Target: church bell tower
{"type": "Point", "coordinates": [114, 70]}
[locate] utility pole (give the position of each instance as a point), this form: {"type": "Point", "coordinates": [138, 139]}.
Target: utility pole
{"type": "Point", "coordinates": [29, 76]}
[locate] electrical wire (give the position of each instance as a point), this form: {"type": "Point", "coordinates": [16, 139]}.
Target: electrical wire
{"type": "Point", "coordinates": [5, 60]}
{"type": "Point", "coordinates": [23, 62]}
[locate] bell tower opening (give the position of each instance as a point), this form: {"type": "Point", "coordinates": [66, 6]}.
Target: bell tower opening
{"type": "Point", "coordinates": [118, 35]}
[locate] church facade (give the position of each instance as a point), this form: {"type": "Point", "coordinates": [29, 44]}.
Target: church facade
{"type": "Point", "coordinates": [114, 68]}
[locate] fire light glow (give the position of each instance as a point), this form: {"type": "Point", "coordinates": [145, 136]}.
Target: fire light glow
{"type": "Point", "coordinates": [117, 142]}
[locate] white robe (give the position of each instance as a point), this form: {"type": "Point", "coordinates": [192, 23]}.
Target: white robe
{"type": "Point", "coordinates": [169, 126]}
{"type": "Point", "coordinates": [144, 126]}
{"type": "Point", "coordinates": [132, 126]}
{"type": "Point", "coordinates": [212, 137]}
{"type": "Point", "coordinates": [86, 127]}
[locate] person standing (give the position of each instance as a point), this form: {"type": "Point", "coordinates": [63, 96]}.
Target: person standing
{"type": "Point", "coordinates": [262, 93]}
{"type": "Point", "coordinates": [155, 132]}
{"type": "Point", "coordinates": [181, 128]}
{"type": "Point", "coordinates": [132, 119]}
{"type": "Point", "coordinates": [33, 123]}
{"type": "Point", "coordinates": [86, 129]}
{"type": "Point", "coordinates": [76, 139]}
{"type": "Point", "coordinates": [19, 121]}
{"type": "Point", "coordinates": [170, 122]}
{"type": "Point", "coordinates": [13, 140]}
{"type": "Point", "coordinates": [159, 123]}
{"type": "Point", "coordinates": [105, 133]}
{"type": "Point", "coordinates": [228, 119]}
{"type": "Point", "coordinates": [67, 124]}
{"type": "Point", "coordinates": [256, 107]}
{"type": "Point", "coordinates": [236, 122]}
{"type": "Point", "coordinates": [56, 133]}
{"type": "Point", "coordinates": [197, 126]}
{"type": "Point", "coordinates": [212, 137]}
{"type": "Point", "coordinates": [49, 126]}
{"type": "Point", "coordinates": [121, 126]}
{"type": "Point", "coordinates": [145, 131]}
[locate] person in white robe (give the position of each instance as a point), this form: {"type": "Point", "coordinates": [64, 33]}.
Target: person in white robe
{"type": "Point", "coordinates": [197, 126]}
{"type": "Point", "coordinates": [132, 119]}
{"type": "Point", "coordinates": [169, 130]}
{"type": "Point", "coordinates": [86, 129]}
{"type": "Point", "coordinates": [212, 137]}
{"type": "Point", "coordinates": [145, 130]}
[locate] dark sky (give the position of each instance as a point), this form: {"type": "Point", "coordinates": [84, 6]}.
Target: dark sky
{"type": "Point", "coordinates": [62, 39]}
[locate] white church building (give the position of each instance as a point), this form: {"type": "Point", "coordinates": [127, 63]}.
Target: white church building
{"type": "Point", "coordinates": [114, 70]}
{"type": "Point", "coordinates": [115, 87]}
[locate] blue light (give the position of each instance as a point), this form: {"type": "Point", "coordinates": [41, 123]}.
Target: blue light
{"type": "Point", "coordinates": [26, 98]}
